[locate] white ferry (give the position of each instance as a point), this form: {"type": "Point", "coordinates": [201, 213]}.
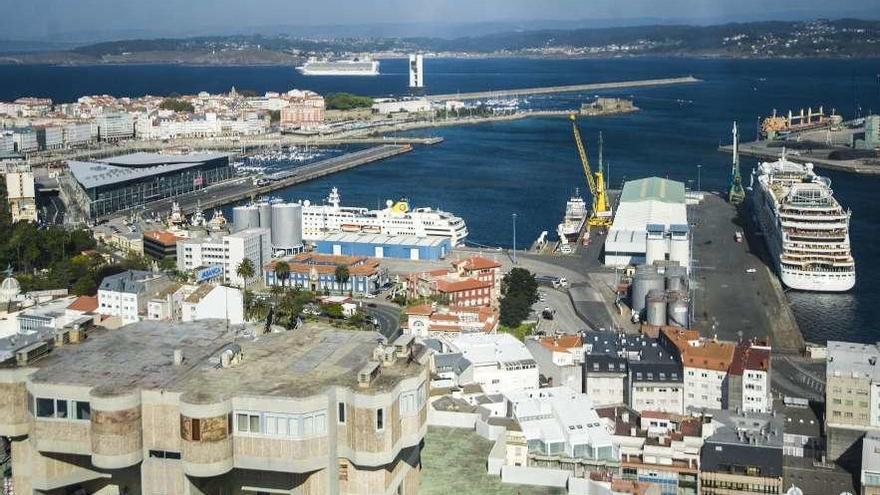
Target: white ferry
{"type": "Point", "coordinates": [395, 219]}
{"type": "Point", "coordinates": [353, 67]}
{"type": "Point", "coordinates": [806, 229]}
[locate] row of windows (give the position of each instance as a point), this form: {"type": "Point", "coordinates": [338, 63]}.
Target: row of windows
{"type": "Point", "coordinates": [282, 425]}
{"type": "Point", "coordinates": [42, 407]}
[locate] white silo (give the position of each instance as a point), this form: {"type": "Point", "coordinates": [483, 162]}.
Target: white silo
{"type": "Point", "coordinates": [287, 226]}
{"type": "Point", "coordinates": [245, 217]}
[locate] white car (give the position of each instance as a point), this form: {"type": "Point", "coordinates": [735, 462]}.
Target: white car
{"type": "Point", "coordinates": [370, 295]}
{"type": "Point", "coordinates": [751, 270]}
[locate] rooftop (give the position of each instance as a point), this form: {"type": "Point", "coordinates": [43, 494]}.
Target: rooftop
{"type": "Point", "coordinates": [700, 353]}
{"type": "Point", "coordinates": [559, 414]}
{"type": "Point", "coordinates": [84, 303]}
{"type": "Point", "coordinates": [486, 349]}
{"type": "Point", "coordinates": [477, 263]}
{"type": "Point", "coordinates": [747, 428]}
{"type": "Point", "coordinates": [851, 359]}
{"type": "Point", "coordinates": [162, 237]}
{"type": "Point", "coordinates": [288, 364]}
{"type": "Point", "coordinates": [123, 168]}
{"type": "Point", "coordinates": [129, 281]}
{"type": "Point", "coordinates": [652, 201]}
{"type": "Point", "coordinates": [387, 240]}
{"type": "Point", "coordinates": [653, 189]}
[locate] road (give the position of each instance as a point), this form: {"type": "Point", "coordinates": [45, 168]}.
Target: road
{"type": "Point", "coordinates": [388, 316]}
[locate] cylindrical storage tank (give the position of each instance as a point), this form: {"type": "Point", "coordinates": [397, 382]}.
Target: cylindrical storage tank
{"type": "Point", "coordinates": [287, 226]}
{"type": "Point", "coordinates": [265, 215]}
{"type": "Point", "coordinates": [116, 429]}
{"type": "Point", "coordinates": [676, 278]}
{"type": "Point", "coordinates": [245, 217]}
{"type": "Point", "coordinates": [645, 280]}
{"type": "Point", "coordinates": [205, 436]}
{"type": "Point", "coordinates": [656, 307]}
{"type": "Point", "coordinates": [677, 310]}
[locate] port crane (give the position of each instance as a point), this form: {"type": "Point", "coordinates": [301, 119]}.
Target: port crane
{"type": "Point", "coordinates": [735, 194]}
{"type": "Point", "coordinates": [600, 215]}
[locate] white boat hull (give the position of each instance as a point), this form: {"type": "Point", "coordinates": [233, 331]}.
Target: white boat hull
{"type": "Point", "coordinates": [821, 282]}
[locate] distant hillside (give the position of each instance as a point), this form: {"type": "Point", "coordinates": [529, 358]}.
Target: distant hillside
{"type": "Point", "coordinates": [819, 38]}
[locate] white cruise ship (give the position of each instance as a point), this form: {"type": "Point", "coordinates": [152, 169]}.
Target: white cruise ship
{"type": "Point", "coordinates": [353, 67]}
{"type": "Point", "coordinates": [395, 219]}
{"type": "Point", "coordinates": [575, 215]}
{"type": "Point", "coordinates": [806, 229]}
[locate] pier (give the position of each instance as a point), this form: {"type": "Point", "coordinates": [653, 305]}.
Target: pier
{"type": "Point", "coordinates": [243, 187]}
{"type": "Point", "coordinates": [575, 88]}
{"type": "Point", "coordinates": [818, 157]}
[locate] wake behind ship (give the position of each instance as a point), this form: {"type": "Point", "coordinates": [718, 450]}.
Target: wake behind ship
{"type": "Point", "coordinates": [806, 229]}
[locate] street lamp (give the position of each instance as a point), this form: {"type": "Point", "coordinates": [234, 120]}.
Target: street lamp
{"type": "Point", "coordinates": [514, 238]}
{"type": "Point", "coordinates": [699, 167]}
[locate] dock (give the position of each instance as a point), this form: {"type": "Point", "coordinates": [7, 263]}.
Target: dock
{"type": "Point", "coordinates": [819, 157]}
{"type": "Point", "coordinates": [575, 88]}
{"type": "Point", "coordinates": [243, 187]}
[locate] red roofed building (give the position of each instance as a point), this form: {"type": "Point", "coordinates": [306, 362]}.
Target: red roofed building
{"type": "Point", "coordinates": [472, 281]}
{"type": "Point", "coordinates": [749, 378]}
{"type": "Point", "coordinates": [160, 244]}
{"type": "Point", "coordinates": [432, 320]}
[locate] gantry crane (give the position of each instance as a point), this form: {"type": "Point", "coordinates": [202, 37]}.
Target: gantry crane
{"type": "Point", "coordinates": [600, 215]}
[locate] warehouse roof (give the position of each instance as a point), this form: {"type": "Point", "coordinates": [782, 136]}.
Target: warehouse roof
{"type": "Point", "coordinates": [134, 166]}
{"type": "Point", "coordinates": [653, 188]}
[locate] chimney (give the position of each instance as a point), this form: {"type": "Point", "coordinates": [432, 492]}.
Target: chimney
{"type": "Point", "coordinates": [178, 357]}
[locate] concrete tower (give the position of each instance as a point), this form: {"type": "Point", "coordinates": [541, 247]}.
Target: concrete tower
{"type": "Point", "coordinates": [416, 74]}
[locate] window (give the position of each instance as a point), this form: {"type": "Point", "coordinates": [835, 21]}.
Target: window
{"type": "Point", "coordinates": [380, 419]}
{"type": "Point", "coordinates": [45, 408]}
{"type": "Point", "coordinates": [196, 429]}
{"type": "Point", "coordinates": [340, 412]}
{"type": "Point", "coordinates": [60, 409]}
{"type": "Point", "coordinates": [164, 454]}
{"type": "Point", "coordinates": [83, 410]}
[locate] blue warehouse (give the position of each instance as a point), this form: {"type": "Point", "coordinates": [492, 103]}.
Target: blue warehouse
{"type": "Point", "coordinates": [384, 246]}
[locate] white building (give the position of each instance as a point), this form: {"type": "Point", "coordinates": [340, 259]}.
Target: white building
{"type": "Point", "coordinates": [501, 363]}
{"type": "Point", "coordinates": [21, 194]}
{"type": "Point", "coordinates": [126, 294]}
{"type": "Point", "coordinates": [749, 379]}
{"type": "Point", "coordinates": [25, 140]}
{"type": "Point", "coordinates": [870, 473]}
{"type": "Point", "coordinates": [416, 72]}
{"type": "Point", "coordinates": [227, 251]}
{"type": "Point", "coordinates": [221, 302]}
{"type": "Point", "coordinates": [409, 105]}
{"type": "Point", "coordinates": [650, 224]}
{"type": "Point", "coordinates": [115, 126]}
{"type": "Point", "coordinates": [78, 134]}
{"type": "Point", "coordinates": [7, 142]}
{"type": "Point", "coordinates": [561, 422]}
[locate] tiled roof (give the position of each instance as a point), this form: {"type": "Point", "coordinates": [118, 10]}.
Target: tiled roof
{"type": "Point", "coordinates": [561, 343]}
{"type": "Point", "coordinates": [162, 236]}
{"type": "Point", "coordinates": [460, 285]}
{"type": "Point", "coordinates": [85, 304]}
{"type": "Point", "coordinates": [477, 263]}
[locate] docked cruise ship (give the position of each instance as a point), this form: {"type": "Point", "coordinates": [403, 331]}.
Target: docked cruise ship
{"type": "Point", "coordinates": [395, 219]}
{"type": "Point", "coordinates": [353, 67]}
{"type": "Point", "coordinates": [806, 229]}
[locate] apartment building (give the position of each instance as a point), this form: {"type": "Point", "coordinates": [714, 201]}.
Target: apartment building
{"type": "Point", "coordinates": [562, 430]}
{"type": "Point", "coordinates": [748, 386]}
{"type": "Point", "coordinates": [705, 365]}
{"type": "Point", "coordinates": [560, 360]}
{"type": "Point", "coordinates": [159, 408]}
{"type": "Point", "coordinates": [126, 294]}
{"type": "Point", "coordinates": [474, 281]}
{"type": "Point", "coordinates": [433, 320]}
{"type": "Point", "coordinates": [852, 395]}
{"type": "Point", "coordinates": [869, 478]}
{"type": "Point", "coordinates": [659, 449]}
{"type": "Point", "coordinates": [317, 273]}
{"type": "Point", "coordinates": [227, 251]}
{"type": "Point", "coordinates": [742, 454]}
{"type": "Point", "coordinates": [500, 363]}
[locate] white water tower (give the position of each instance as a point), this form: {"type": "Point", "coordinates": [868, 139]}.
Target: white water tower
{"type": "Point", "coordinates": [416, 73]}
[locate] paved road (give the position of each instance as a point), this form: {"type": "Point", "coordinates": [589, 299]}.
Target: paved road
{"type": "Point", "coordinates": [565, 320]}
{"type": "Point", "coordinates": [388, 316]}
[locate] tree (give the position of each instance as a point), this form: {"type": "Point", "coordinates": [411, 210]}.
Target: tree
{"type": "Point", "coordinates": [520, 291]}
{"type": "Point", "coordinates": [177, 105]}
{"type": "Point", "coordinates": [342, 275]}
{"type": "Point", "coordinates": [334, 311]}
{"type": "Point", "coordinates": [245, 270]}
{"type": "Point", "coordinates": [167, 264]}
{"type": "Point", "coordinates": [346, 101]}
{"type": "Point", "coordinates": [282, 272]}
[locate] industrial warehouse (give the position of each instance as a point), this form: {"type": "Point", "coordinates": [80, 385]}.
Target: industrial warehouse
{"type": "Point", "coordinates": [650, 225]}
{"type": "Point", "coordinates": [101, 187]}
{"type": "Point", "coordinates": [384, 246]}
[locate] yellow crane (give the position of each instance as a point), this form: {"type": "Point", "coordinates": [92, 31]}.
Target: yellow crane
{"type": "Point", "coordinates": [600, 216]}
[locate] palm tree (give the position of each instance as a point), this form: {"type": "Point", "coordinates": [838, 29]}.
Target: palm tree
{"type": "Point", "coordinates": [245, 270]}
{"type": "Point", "coordinates": [342, 275]}
{"type": "Point", "coordinates": [282, 271]}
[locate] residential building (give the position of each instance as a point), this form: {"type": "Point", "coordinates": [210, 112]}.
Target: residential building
{"type": "Point", "coordinates": [501, 363]}
{"type": "Point", "coordinates": [107, 185]}
{"type": "Point", "coordinates": [650, 224]}
{"type": "Point", "coordinates": [114, 126]}
{"type": "Point", "coordinates": [433, 320]}
{"type": "Point", "coordinates": [803, 428]}
{"type": "Point", "coordinates": [25, 140]}
{"type": "Point", "coordinates": [742, 454]}
{"type": "Point", "coordinates": [471, 282]}
{"type": "Point", "coordinates": [705, 364]}
{"type": "Point", "coordinates": [78, 134]}
{"type": "Point", "coordinates": [870, 471]}
{"type": "Point", "coordinates": [304, 110]}
{"type": "Point", "coordinates": [126, 294]}
{"type": "Point", "coordinates": [560, 360]}
{"type": "Point", "coordinates": [635, 370]}
{"type": "Point", "coordinates": [748, 386]}
{"type": "Point", "coordinates": [50, 137]}
{"type": "Point", "coordinates": [852, 395]}
{"type": "Point", "coordinates": [209, 301]}
{"type": "Point", "coordinates": [562, 430]}
{"type": "Point", "coordinates": [194, 407]}
{"type": "Point", "coordinates": [317, 273]}
{"type": "Point", "coordinates": [660, 449]}
{"type": "Point", "coordinates": [21, 194]}
{"type": "Point", "coordinates": [160, 244]}
{"type": "Point", "coordinates": [226, 251]}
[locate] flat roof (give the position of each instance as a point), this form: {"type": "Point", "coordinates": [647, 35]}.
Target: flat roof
{"type": "Point", "coordinates": [123, 168]}
{"type": "Point", "coordinates": [747, 428]}
{"type": "Point", "coordinates": [852, 359]}
{"type": "Point", "coordinates": [559, 414]}
{"type": "Point", "coordinates": [298, 363]}
{"type": "Point", "coordinates": [388, 240]}
{"type": "Point", "coordinates": [653, 188]}
{"type": "Point", "coordinates": [483, 348]}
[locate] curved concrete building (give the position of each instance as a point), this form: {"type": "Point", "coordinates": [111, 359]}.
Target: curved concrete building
{"type": "Point", "coordinates": [184, 408]}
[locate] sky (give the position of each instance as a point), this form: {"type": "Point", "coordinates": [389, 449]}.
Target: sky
{"type": "Point", "coordinates": [51, 19]}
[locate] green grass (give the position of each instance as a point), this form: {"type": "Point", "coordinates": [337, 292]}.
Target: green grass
{"type": "Point", "coordinates": [454, 462]}
{"type": "Point", "coordinates": [520, 332]}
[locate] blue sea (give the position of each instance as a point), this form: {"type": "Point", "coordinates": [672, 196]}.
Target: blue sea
{"type": "Point", "coordinates": [486, 173]}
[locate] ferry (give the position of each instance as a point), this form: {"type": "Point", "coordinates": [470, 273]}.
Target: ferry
{"type": "Point", "coordinates": [806, 229]}
{"type": "Point", "coordinates": [395, 219]}
{"type": "Point", "coordinates": [573, 222]}
{"type": "Point", "coordinates": [352, 67]}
